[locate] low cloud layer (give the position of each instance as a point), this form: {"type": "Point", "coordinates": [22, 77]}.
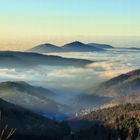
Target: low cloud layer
{"type": "Point", "coordinates": [108, 64]}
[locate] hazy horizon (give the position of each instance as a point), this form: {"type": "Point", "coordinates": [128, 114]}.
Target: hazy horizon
{"type": "Point", "coordinates": [115, 41]}
{"type": "Point", "coordinates": [25, 24]}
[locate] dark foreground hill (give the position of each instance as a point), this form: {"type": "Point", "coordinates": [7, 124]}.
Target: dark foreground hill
{"type": "Point", "coordinates": [30, 126]}
{"type": "Point", "coordinates": [116, 123]}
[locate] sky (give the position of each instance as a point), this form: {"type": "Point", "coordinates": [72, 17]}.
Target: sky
{"type": "Point", "coordinates": [24, 23]}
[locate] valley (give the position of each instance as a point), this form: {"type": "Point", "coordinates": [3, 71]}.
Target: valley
{"type": "Point", "coordinates": [79, 88]}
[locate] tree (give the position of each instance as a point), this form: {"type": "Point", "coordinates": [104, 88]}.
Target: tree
{"type": "Point", "coordinates": [5, 132]}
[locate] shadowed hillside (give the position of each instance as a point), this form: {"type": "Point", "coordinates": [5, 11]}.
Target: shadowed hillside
{"type": "Point", "coordinates": [125, 86]}
{"type": "Point", "coordinates": [37, 99]}
{"type": "Point", "coordinates": [31, 126]}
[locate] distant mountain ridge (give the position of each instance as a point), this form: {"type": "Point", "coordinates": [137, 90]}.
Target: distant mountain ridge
{"type": "Point", "coordinates": [15, 59]}
{"type": "Point", "coordinates": [75, 46]}
{"type": "Point", "coordinates": [46, 48]}
{"type": "Point", "coordinates": [80, 47]}
{"type": "Point", "coordinates": [102, 46]}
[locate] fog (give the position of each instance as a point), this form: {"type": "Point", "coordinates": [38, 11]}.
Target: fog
{"type": "Point", "coordinates": [108, 64]}
{"type": "Point", "coordinates": [68, 82]}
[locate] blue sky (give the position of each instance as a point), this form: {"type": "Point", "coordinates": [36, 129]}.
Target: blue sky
{"type": "Point", "coordinates": [48, 18]}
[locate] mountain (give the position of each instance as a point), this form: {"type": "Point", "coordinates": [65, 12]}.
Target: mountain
{"type": "Point", "coordinates": [122, 85]}
{"type": "Point", "coordinates": [12, 59]}
{"type": "Point", "coordinates": [45, 48]}
{"type": "Point", "coordinates": [77, 46]}
{"type": "Point", "coordinates": [37, 99]}
{"type": "Point", "coordinates": [25, 87]}
{"type": "Point", "coordinates": [89, 101]}
{"type": "Point", "coordinates": [113, 123]}
{"type": "Point", "coordinates": [102, 46]}
{"type": "Point", "coordinates": [131, 98]}
{"type": "Point", "coordinates": [132, 48]}
{"type": "Point", "coordinates": [29, 125]}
